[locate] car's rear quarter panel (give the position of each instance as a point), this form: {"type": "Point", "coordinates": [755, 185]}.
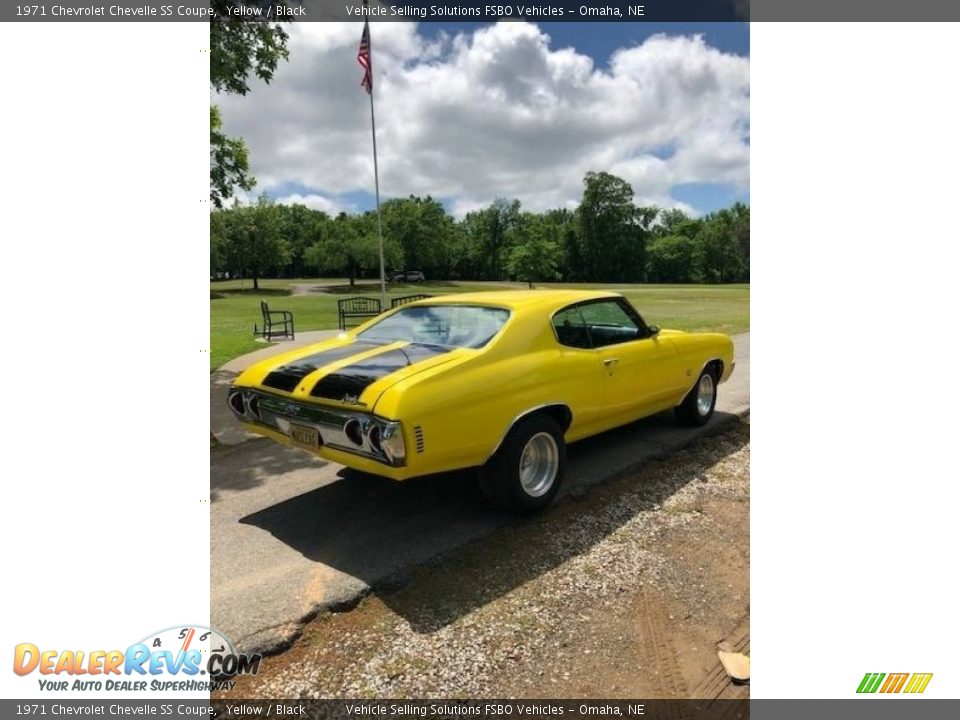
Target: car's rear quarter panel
{"type": "Point", "coordinates": [465, 410]}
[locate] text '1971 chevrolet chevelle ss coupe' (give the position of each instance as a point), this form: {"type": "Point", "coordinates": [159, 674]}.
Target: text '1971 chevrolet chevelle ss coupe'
{"type": "Point", "coordinates": [499, 381]}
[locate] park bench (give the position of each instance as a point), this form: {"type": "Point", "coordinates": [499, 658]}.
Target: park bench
{"type": "Point", "coordinates": [398, 301]}
{"type": "Point", "coordinates": [276, 323]}
{"type": "Point", "coordinates": [357, 307]}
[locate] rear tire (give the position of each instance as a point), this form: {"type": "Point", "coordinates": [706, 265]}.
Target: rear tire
{"type": "Point", "coordinates": [697, 407]}
{"type": "Point", "coordinates": [525, 473]}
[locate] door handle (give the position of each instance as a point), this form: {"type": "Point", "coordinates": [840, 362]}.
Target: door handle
{"type": "Point", "coordinates": [610, 362]}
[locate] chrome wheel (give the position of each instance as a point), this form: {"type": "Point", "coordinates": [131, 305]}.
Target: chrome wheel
{"type": "Point", "coordinates": [539, 463]}
{"type": "Point", "coordinates": [705, 393]}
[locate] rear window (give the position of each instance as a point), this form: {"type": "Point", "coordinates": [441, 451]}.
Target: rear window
{"type": "Point", "coordinates": [470, 326]}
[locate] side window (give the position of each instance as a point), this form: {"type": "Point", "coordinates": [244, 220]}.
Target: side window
{"type": "Point", "coordinates": [571, 329]}
{"type": "Point", "coordinates": [608, 323]}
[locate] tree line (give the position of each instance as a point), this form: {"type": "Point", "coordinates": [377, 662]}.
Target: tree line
{"type": "Point", "coordinates": [607, 238]}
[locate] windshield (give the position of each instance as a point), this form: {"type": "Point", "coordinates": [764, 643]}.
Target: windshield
{"type": "Point", "coordinates": [454, 325]}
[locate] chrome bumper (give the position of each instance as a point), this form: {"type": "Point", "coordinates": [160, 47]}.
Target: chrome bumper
{"type": "Point", "coordinates": [379, 439]}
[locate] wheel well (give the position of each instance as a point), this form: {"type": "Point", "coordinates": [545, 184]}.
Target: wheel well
{"type": "Point", "coordinates": [560, 413]}
{"type": "Point", "coordinates": [717, 367]}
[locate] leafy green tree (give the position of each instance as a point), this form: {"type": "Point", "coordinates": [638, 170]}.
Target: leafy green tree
{"type": "Point", "coordinates": [472, 262]}
{"type": "Point", "coordinates": [489, 234]}
{"type": "Point", "coordinates": [229, 162]}
{"type": "Point", "coordinates": [351, 244]}
{"type": "Point", "coordinates": [739, 224]}
{"type": "Point", "coordinates": [238, 50]}
{"type": "Point", "coordinates": [605, 239]}
{"type": "Point", "coordinates": [219, 243]}
{"type": "Point", "coordinates": [536, 255]}
{"type": "Point", "coordinates": [458, 253]}
{"type": "Point", "coordinates": [241, 48]}
{"type": "Point", "coordinates": [674, 221]}
{"type": "Point", "coordinates": [612, 236]}
{"type": "Point", "coordinates": [721, 261]}
{"type": "Point", "coordinates": [674, 258]}
{"type": "Point", "coordinates": [298, 226]}
{"type": "Point", "coordinates": [423, 229]}
{"type": "Point", "coordinates": [496, 226]}
{"type": "Point", "coordinates": [258, 245]}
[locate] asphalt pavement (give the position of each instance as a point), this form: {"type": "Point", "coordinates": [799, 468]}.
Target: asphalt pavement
{"type": "Point", "coordinates": [292, 535]}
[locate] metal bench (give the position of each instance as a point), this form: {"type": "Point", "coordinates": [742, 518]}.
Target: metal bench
{"type": "Point", "coordinates": [357, 307]}
{"type": "Point", "coordinates": [276, 323]}
{"type": "Point", "coordinates": [398, 301]}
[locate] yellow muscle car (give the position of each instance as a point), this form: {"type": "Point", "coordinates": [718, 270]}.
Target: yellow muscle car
{"type": "Point", "coordinates": [499, 381]}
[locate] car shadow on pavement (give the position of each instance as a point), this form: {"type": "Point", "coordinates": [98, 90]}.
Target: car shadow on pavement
{"type": "Point", "coordinates": [379, 530]}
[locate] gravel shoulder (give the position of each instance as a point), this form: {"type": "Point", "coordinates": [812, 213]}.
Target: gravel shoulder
{"type": "Point", "coordinates": [625, 590]}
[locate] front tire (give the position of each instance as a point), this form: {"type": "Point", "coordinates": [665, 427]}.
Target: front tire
{"type": "Point", "coordinates": [697, 407]}
{"type": "Point", "coordinates": [525, 473]}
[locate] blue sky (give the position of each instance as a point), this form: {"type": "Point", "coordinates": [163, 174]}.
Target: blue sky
{"type": "Point", "coordinates": [510, 110]}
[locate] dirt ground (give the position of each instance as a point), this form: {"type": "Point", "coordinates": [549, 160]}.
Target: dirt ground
{"type": "Point", "coordinates": [626, 591]}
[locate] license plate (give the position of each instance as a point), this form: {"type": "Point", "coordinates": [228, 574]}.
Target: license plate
{"type": "Point", "coordinates": [306, 436]}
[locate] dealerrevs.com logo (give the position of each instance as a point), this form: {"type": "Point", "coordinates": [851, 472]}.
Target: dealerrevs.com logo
{"type": "Point", "coordinates": [911, 683]}
{"type": "Point", "coordinates": [180, 659]}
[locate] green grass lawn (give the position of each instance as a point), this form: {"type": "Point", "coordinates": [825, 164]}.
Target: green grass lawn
{"type": "Point", "coordinates": [234, 307]}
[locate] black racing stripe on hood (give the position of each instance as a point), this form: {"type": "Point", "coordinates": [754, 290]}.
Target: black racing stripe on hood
{"type": "Point", "coordinates": [288, 376]}
{"type": "Point", "coordinates": [354, 379]}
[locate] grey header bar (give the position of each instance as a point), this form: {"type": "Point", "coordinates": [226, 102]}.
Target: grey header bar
{"type": "Point", "coordinates": [866, 708]}
{"type": "Point", "coordinates": [478, 10]}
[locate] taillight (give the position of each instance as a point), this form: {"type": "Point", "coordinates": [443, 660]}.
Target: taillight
{"type": "Point", "coordinates": [391, 443]}
{"type": "Point", "coordinates": [374, 437]}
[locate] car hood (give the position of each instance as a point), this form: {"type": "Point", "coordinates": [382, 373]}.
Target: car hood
{"type": "Point", "coordinates": [346, 371]}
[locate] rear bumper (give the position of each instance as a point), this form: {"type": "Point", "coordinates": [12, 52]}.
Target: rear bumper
{"type": "Point", "coordinates": [345, 436]}
{"type": "Point", "coordinates": [332, 454]}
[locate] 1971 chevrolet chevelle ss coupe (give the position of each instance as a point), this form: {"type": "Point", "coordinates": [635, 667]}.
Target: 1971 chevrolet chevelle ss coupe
{"type": "Point", "coordinates": [499, 381]}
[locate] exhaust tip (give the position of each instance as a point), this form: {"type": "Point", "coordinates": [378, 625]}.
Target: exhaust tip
{"type": "Point", "coordinates": [253, 407]}
{"type": "Point", "coordinates": [353, 431]}
{"type": "Point", "coordinates": [235, 400]}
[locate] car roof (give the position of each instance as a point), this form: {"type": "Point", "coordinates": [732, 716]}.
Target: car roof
{"type": "Point", "coordinates": [515, 299]}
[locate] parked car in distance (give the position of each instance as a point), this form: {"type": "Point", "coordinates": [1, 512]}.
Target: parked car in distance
{"type": "Point", "coordinates": [499, 381]}
{"type": "Point", "coordinates": [407, 276]}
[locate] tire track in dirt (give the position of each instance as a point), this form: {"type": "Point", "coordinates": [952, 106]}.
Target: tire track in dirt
{"type": "Point", "coordinates": [658, 650]}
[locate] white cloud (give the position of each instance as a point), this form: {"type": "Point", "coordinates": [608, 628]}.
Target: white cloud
{"type": "Point", "coordinates": [316, 202]}
{"type": "Point", "coordinates": [496, 113]}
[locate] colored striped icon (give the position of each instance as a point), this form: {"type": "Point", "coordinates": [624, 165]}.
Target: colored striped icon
{"type": "Point", "coordinates": [894, 682]}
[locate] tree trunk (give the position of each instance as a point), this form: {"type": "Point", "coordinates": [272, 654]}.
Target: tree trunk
{"type": "Point", "coordinates": [256, 285]}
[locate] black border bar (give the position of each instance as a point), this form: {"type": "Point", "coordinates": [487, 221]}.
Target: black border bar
{"type": "Point", "coordinates": [479, 10]}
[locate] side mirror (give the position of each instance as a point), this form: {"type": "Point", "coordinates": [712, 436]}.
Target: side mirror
{"type": "Point", "coordinates": [654, 331]}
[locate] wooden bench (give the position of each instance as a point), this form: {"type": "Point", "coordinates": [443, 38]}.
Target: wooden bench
{"type": "Point", "coordinates": [276, 323]}
{"type": "Point", "coordinates": [357, 307]}
{"type": "Point", "coordinates": [397, 302]}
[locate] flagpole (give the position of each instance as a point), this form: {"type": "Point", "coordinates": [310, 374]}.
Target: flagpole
{"type": "Point", "coordinates": [376, 176]}
{"type": "Point", "coordinates": [376, 185]}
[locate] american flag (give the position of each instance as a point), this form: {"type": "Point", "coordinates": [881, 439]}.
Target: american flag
{"type": "Point", "coordinates": [363, 57]}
